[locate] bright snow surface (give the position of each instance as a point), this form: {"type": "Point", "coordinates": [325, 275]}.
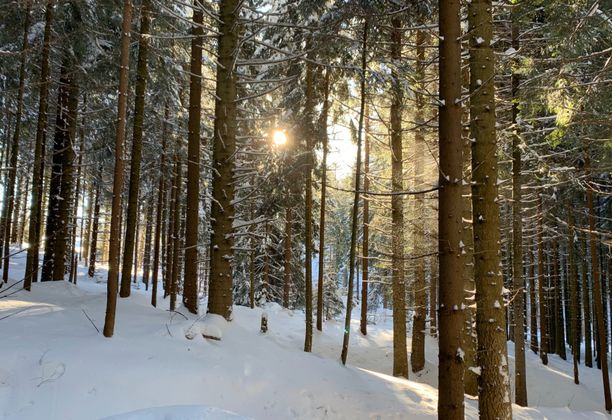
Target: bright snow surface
{"type": "Point", "coordinates": [55, 365]}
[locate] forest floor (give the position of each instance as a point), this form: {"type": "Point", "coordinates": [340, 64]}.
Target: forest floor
{"type": "Point", "coordinates": [54, 364]}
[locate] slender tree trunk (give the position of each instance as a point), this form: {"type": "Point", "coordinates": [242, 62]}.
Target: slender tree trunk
{"type": "Point", "coordinates": [77, 193]}
{"type": "Point", "coordinates": [288, 256]}
{"type": "Point", "coordinates": [309, 111]}
{"type": "Point", "coordinates": [24, 206]}
{"type": "Point", "coordinates": [558, 316]}
{"type": "Point", "coordinates": [365, 247]}
{"type": "Point", "coordinates": [93, 249]}
{"type": "Point", "coordinates": [451, 317]}
{"type": "Point", "coordinates": [86, 226]}
{"type": "Point", "coordinates": [115, 231]}
{"type": "Point", "coordinates": [134, 185]}
{"type": "Point", "coordinates": [190, 285]}
{"type": "Point", "coordinates": [355, 210]}
{"type": "Point", "coordinates": [586, 303]}
{"type": "Point", "coordinates": [146, 260]}
{"type": "Point", "coordinates": [17, 208]}
{"type": "Point", "coordinates": [9, 192]}
{"type": "Point", "coordinates": [323, 130]}
{"type": "Point", "coordinates": [520, 377]}
{"type": "Point", "coordinates": [433, 295]}
{"type": "Point", "coordinates": [573, 286]}
{"type": "Point", "coordinates": [597, 292]}
{"type": "Point", "coordinates": [494, 387]}
{"type": "Point", "coordinates": [224, 147]}
{"type": "Point", "coordinates": [159, 221]}
{"type": "Point", "coordinates": [541, 296]}
{"type": "Point", "coordinates": [417, 358]}
{"type": "Point", "coordinates": [176, 232]}
{"type": "Point", "coordinates": [533, 312]}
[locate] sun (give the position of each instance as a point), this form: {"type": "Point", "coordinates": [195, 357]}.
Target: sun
{"type": "Point", "coordinates": [279, 137]}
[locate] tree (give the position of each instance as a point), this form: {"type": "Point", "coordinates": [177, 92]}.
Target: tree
{"type": "Point", "coordinates": [115, 231]}
{"type": "Point", "coordinates": [450, 300]}
{"type": "Point", "coordinates": [224, 147]}
{"type": "Point", "coordinates": [494, 393]}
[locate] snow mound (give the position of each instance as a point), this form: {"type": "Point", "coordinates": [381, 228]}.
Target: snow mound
{"type": "Point", "coordinates": [178, 412]}
{"type": "Point", "coordinates": [213, 326]}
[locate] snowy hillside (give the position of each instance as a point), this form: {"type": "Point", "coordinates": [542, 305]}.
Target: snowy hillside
{"type": "Point", "coordinates": [56, 365]}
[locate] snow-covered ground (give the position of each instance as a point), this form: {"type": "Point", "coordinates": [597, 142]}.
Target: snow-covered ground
{"type": "Point", "coordinates": [54, 364]}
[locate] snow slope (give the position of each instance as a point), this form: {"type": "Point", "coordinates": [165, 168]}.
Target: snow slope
{"type": "Point", "coordinates": [54, 364]}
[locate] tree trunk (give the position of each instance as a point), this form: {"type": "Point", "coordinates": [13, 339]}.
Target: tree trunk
{"type": "Point", "coordinates": [146, 260]}
{"type": "Point", "coordinates": [115, 231]}
{"type": "Point", "coordinates": [573, 286]}
{"type": "Point", "coordinates": [134, 185]}
{"type": "Point", "coordinates": [9, 192]}
{"type": "Point", "coordinates": [558, 316]}
{"type": "Point", "coordinates": [288, 256]}
{"type": "Point", "coordinates": [355, 210]}
{"type": "Point", "coordinates": [451, 317]}
{"type": "Point", "coordinates": [190, 281]}
{"type": "Point", "coordinates": [323, 131]}
{"type": "Point", "coordinates": [93, 249]}
{"type": "Point", "coordinates": [77, 193]}
{"type": "Point", "coordinates": [176, 228]}
{"type": "Point", "coordinates": [159, 220]}
{"type": "Point", "coordinates": [417, 358]}
{"type": "Point", "coordinates": [494, 387]}
{"type": "Point", "coordinates": [518, 292]}
{"type": "Point", "coordinates": [309, 133]}
{"type": "Point", "coordinates": [541, 295]}
{"type": "Point", "coordinates": [365, 247]}
{"type": "Point", "coordinates": [86, 232]}
{"type": "Point", "coordinates": [597, 292]}
{"type": "Point", "coordinates": [224, 147]}
{"type": "Point", "coordinates": [533, 312]}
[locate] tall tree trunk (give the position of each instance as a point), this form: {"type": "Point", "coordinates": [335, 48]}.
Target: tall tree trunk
{"type": "Point", "coordinates": [146, 260]}
{"type": "Point", "coordinates": [433, 295]}
{"type": "Point", "coordinates": [288, 256]}
{"type": "Point", "coordinates": [95, 223]}
{"type": "Point", "coordinates": [520, 377]}
{"type": "Point", "coordinates": [190, 285]}
{"type": "Point", "coordinates": [309, 133]}
{"type": "Point", "coordinates": [19, 184]}
{"type": "Point", "coordinates": [323, 131]}
{"type": "Point", "coordinates": [176, 232]}
{"type": "Point", "coordinates": [541, 296]}
{"type": "Point", "coordinates": [586, 303]}
{"type": "Point", "coordinates": [75, 207]}
{"type": "Point", "coordinates": [86, 229]}
{"type": "Point", "coordinates": [355, 210]}
{"type": "Point", "coordinates": [24, 206]}
{"type": "Point", "coordinates": [60, 186]}
{"type": "Point", "coordinates": [494, 387]}
{"type": "Point", "coordinates": [224, 147]}
{"type": "Point", "coordinates": [573, 286]}
{"type": "Point", "coordinates": [9, 192]}
{"type": "Point", "coordinates": [115, 231]}
{"type": "Point", "coordinates": [417, 358]}
{"type": "Point", "coordinates": [558, 316]}
{"type": "Point", "coordinates": [365, 247]}
{"type": "Point", "coordinates": [451, 317]}
{"type": "Point", "coordinates": [533, 312]}
{"type": "Point", "coordinates": [159, 221]}
{"type": "Point", "coordinates": [597, 292]}
{"type": "Point", "coordinates": [134, 185]}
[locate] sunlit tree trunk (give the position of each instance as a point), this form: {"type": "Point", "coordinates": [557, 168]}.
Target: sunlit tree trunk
{"type": "Point", "coordinates": [355, 209]}
{"type": "Point", "coordinates": [365, 247]}
{"type": "Point", "coordinates": [451, 317]}
{"type": "Point", "coordinates": [323, 131]}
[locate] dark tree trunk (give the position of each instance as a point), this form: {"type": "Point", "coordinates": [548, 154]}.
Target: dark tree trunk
{"type": "Point", "coordinates": [115, 230]}
{"type": "Point", "coordinates": [93, 244]}
{"type": "Point", "coordinates": [224, 146]}
{"type": "Point", "coordinates": [323, 131]}
{"type": "Point", "coordinates": [190, 281]}
{"type": "Point", "coordinates": [159, 220]}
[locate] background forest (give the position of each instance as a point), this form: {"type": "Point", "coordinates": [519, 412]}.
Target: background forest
{"type": "Point", "coordinates": [448, 165]}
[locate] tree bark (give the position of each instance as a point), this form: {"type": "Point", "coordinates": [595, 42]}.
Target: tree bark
{"type": "Point", "coordinates": [323, 131]}
{"type": "Point", "coordinates": [451, 317]}
{"type": "Point", "coordinates": [115, 231]}
{"type": "Point", "coordinates": [573, 286]}
{"type": "Point", "coordinates": [159, 221]}
{"type": "Point", "coordinates": [417, 358]}
{"type": "Point", "coordinates": [190, 281]}
{"type": "Point", "coordinates": [309, 133]}
{"type": "Point", "coordinates": [355, 209]}
{"type": "Point", "coordinates": [9, 192]}
{"type": "Point", "coordinates": [224, 147]}
{"type": "Point", "coordinates": [541, 295]}
{"type": "Point", "coordinates": [93, 249]}
{"type": "Point", "coordinates": [288, 256]}
{"type": "Point", "coordinates": [134, 185]}
{"type": "Point", "coordinates": [176, 228]}
{"type": "Point", "coordinates": [365, 247]}
{"type": "Point", "coordinates": [597, 292]}
{"type": "Point", "coordinates": [494, 387]}
{"type": "Point", "coordinates": [146, 260]}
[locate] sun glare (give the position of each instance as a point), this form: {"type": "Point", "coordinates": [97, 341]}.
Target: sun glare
{"type": "Point", "coordinates": [279, 137]}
